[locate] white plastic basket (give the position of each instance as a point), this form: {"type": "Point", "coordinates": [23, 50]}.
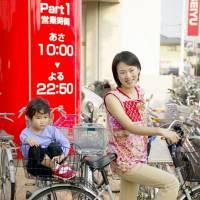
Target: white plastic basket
{"type": "Point", "coordinates": [92, 138]}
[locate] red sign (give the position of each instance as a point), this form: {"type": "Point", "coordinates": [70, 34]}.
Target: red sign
{"type": "Point", "coordinates": [39, 56]}
{"type": "Point", "coordinates": [55, 53]}
{"type": "Point", "coordinates": [193, 18]}
{"type": "Point", "coordinates": [13, 62]}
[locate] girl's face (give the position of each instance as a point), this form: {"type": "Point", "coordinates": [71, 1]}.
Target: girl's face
{"type": "Point", "coordinates": [128, 75]}
{"type": "Point", "coordinates": [39, 121]}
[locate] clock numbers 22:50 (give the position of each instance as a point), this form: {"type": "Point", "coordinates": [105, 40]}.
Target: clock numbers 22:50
{"type": "Point", "coordinates": [52, 88]}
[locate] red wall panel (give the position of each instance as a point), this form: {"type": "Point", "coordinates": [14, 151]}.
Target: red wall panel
{"type": "Point", "coordinates": [39, 56]}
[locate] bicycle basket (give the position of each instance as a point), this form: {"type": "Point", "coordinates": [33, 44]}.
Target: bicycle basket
{"type": "Point", "coordinates": [191, 168]}
{"type": "Point", "coordinates": [171, 112]}
{"type": "Point", "coordinates": [184, 111]}
{"type": "Point", "coordinates": [36, 166]}
{"type": "Point", "coordinates": [91, 138]}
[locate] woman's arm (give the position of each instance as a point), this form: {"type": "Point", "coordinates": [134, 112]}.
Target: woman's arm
{"type": "Point", "coordinates": [115, 108]}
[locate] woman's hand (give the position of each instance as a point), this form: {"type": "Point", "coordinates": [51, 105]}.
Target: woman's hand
{"type": "Point", "coordinates": [172, 136]}
{"type": "Point", "coordinates": [32, 142]}
{"type": "Point", "coordinates": [58, 159]}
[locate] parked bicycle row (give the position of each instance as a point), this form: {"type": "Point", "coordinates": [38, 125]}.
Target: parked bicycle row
{"type": "Point", "coordinates": [80, 186]}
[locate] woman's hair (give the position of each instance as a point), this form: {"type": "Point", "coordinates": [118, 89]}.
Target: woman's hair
{"type": "Point", "coordinates": [37, 105]}
{"type": "Point", "coordinates": [126, 57]}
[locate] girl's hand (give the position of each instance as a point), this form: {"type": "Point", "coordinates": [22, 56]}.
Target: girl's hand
{"type": "Point", "coordinates": [58, 159]}
{"type": "Point", "coordinates": [172, 136]}
{"type": "Point", "coordinates": [32, 142]}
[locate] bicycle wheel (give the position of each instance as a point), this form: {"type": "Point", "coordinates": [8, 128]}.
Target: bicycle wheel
{"type": "Point", "coordinates": [146, 193]}
{"type": "Point", "coordinates": [194, 193]}
{"type": "Point", "coordinates": [7, 176]}
{"type": "Point", "coordinates": [63, 192]}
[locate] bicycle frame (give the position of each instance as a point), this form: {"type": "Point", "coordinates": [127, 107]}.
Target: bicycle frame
{"type": "Point", "coordinates": [7, 171]}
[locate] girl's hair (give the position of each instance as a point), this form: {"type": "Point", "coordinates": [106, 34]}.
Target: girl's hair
{"type": "Point", "coordinates": [39, 105]}
{"type": "Point", "coordinates": [126, 57]}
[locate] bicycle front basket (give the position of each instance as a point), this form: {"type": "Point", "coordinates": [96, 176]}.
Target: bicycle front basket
{"type": "Point", "coordinates": [192, 168]}
{"type": "Point", "coordinates": [92, 138]}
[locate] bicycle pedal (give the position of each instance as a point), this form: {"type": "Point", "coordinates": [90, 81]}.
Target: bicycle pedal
{"type": "Point", "coordinates": [115, 177]}
{"type": "Point", "coordinates": [28, 194]}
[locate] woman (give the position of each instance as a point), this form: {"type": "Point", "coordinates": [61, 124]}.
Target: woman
{"type": "Point", "coordinates": [129, 134]}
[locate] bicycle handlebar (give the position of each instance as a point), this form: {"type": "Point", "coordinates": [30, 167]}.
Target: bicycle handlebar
{"type": "Point", "coordinates": [174, 123]}
{"type": "Point", "coordinates": [6, 116]}
{"type": "Point", "coordinates": [60, 109]}
{"type": "Point", "coordinates": [21, 111]}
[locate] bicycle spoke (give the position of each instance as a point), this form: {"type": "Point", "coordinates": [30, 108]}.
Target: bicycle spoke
{"type": "Point", "coordinates": [63, 193]}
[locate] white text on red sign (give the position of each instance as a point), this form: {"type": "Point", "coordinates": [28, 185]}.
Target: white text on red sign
{"type": "Point", "coordinates": [46, 8]}
{"type": "Point", "coordinates": [193, 17]}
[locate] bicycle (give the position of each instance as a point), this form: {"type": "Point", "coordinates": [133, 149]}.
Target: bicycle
{"type": "Point", "coordinates": [7, 167]}
{"type": "Point", "coordinates": [182, 158]}
{"type": "Point", "coordinates": [83, 134]}
{"type": "Point", "coordinates": [79, 188]}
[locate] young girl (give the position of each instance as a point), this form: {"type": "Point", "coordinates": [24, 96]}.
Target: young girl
{"type": "Point", "coordinates": [129, 134]}
{"type": "Point", "coordinates": [44, 146]}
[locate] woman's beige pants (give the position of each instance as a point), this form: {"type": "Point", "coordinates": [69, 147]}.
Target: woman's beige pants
{"type": "Point", "coordinates": [150, 176]}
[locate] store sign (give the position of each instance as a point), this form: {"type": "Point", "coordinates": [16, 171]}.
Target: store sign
{"type": "Point", "coordinates": [39, 56]}
{"type": "Point", "coordinates": [193, 17]}
{"type": "Point", "coordinates": [55, 54]}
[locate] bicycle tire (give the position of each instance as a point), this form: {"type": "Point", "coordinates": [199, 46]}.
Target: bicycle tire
{"type": "Point", "coordinates": [63, 191]}
{"type": "Point", "coordinates": [194, 193]}
{"type": "Point", "coordinates": [1, 161]}
{"type": "Point", "coordinates": [7, 176]}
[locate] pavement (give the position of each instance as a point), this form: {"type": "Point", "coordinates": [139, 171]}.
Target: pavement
{"type": "Point", "coordinates": [23, 184]}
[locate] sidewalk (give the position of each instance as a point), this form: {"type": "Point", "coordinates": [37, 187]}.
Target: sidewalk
{"type": "Point", "coordinates": [23, 184]}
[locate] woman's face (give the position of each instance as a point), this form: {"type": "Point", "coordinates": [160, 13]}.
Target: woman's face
{"type": "Point", "coordinates": [128, 75]}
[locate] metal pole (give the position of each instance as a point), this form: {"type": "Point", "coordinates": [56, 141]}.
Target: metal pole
{"type": "Point", "coordinates": [182, 37]}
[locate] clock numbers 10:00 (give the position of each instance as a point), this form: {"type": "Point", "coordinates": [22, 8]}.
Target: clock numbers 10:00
{"type": "Point", "coordinates": [52, 49]}
{"type": "Point", "coordinates": [52, 88]}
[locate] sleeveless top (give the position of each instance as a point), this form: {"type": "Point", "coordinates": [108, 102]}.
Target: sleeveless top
{"type": "Point", "coordinates": [131, 150]}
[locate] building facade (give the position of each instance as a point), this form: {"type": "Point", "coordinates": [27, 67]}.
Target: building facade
{"type": "Point", "coordinates": [109, 27]}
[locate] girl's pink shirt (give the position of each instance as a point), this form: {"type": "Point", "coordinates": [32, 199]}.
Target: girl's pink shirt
{"type": "Point", "coordinates": [131, 150]}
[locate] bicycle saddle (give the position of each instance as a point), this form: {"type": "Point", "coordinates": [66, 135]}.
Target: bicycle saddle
{"type": "Point", "coordinates": [99, 162]}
